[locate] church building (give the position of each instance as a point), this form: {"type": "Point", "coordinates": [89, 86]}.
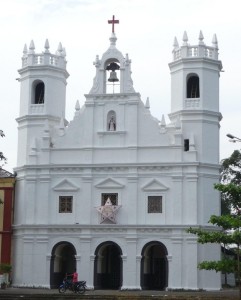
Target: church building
{"type": "Point", "coordinates": [112, 192]}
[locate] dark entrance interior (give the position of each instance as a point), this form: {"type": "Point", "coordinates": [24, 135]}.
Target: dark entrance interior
{"type": "Point", "coordinates": [62, 262]}
{"type": "Point", "coordinates": [154, 267]}
{"type": "Point", "coordinates": [108, 266]}
{"type": "Point", "coordinates": [193, 87]}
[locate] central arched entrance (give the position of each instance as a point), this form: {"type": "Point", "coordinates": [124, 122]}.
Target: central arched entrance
{"type": "Point", "coordinates": [154, 266]}
{"type": "Point", "coordinates": [62, 261]}
{"type": "Point", "coordinates": [108, 266]}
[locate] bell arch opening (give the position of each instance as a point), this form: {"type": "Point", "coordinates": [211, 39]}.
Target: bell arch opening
{"type": "Point", "coordinates": [38, 93]}
{"type": "Point", "coordinates": [108, 266]}
{"type": "Point", "coordinates": [193, 90]}
{"type": "Point", "coordinates": [112, 76]}
{"type": "Point", "coordinates": [154, 266]}
{"type": "Point", "coordinates": [63, 261]}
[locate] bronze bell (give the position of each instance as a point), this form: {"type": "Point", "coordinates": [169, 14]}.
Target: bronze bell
{"type": "Point", "coordinates": [113, 77]}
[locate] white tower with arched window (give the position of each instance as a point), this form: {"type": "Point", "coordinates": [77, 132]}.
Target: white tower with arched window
{"type": "Point", "coordinates": [195, 72]}
{"type": "Point", "coordinates": [42, 99]}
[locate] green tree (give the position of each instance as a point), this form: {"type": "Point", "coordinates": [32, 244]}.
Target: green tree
{"type": "Point", "coordinates": [226, 232]}
{"type": "Point", "coordinates": [231, 168]}
{"type": "Point", "coordinates": [2, 157]}
{"type": "Point", "coordinates": [230, 173]}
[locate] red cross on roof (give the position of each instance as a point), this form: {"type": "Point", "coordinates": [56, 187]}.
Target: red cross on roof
{"type": "Point", "coordinates": [113, 22]}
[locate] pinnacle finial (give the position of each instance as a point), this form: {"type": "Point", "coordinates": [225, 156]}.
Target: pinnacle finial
{"type": "Point", "coordinates": [215, 41]}
{"type": "Point", "coordinates": [127, 60]}
{"type": "Point", "coordinates": [147, 105]}
{"type": "Point", "coordinates": [60, 49]}
{"type": "Point", "coordinates": [175, 43]}
{"type": "Point", "coordinates": [64, 52]}
{"type": "Point", "coordinates": [185, 38]}
{"type": "Point", "coordinates": [97, 62]}
{"type": "Point", "coordinates": [77, 106]}
{"type": "Point", "coordinates": [25, 50]}
{"type": "Point", "coordinates": [163, 121]}
{"type": "Point", "coordinates": [46, 46]}
{"type": "Point", "coordinates": [163, 125]}
{"type": "Point", "coordinates": [31, 47]}
{"type": "Point", "coordinates": [201, 37]}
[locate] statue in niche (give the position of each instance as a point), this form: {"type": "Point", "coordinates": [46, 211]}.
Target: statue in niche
{"type": "Point", "coordinates": [112, 124]}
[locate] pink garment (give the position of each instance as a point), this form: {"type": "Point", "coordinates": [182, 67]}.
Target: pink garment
{"type": "Point", "coordinates": [75, 277]}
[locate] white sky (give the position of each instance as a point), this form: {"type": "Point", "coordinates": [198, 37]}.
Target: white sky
{"type": "Point", "coordinates": [146, 32]}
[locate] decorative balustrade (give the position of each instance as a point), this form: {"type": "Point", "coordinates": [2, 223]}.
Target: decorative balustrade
{"type": "Point", "coordinates": [44, 59]}
{"type": "Point", "coordinates": [30, 58]}
{"type": "Point", "coordinates": [195, 51]}
{"type": "Point", "coordinates": [200, 50]}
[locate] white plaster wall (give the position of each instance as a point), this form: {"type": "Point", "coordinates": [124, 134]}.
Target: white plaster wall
{"type": "Point", "coordinates": [137, 160]}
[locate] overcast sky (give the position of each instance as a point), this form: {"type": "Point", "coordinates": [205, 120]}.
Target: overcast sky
{"type": "Point", "coordinates": [146, 32]}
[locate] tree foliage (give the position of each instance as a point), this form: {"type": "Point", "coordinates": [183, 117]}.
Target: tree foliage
{"type": "Point", "coordinates": [225, 265]}
{"type": "Point", "coordinates": [227, 227]}
{"type": "Point", "coordinates": [2, 157]}
{"type": "Point", "coordinates": [230, 173]}
{"type": "Point", "coordinates": [231, 195]}
{"type": "Point", "coordinates": [226, 232]}
{"type": "Point", "coordinates": [5, 268]}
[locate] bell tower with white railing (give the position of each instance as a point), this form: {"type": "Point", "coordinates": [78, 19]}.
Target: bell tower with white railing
{"type": "Point", "coordinates": [195, 72]}
{"type": "Point", "coordinates": [42, 98]}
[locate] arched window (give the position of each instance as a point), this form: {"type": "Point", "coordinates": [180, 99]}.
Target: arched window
{"type": "Point", "coordinates": [111, 121]}
{"type": "Point", "coordinates": [39, 90]}
{"type": "Point", "coordinates": [193, 87]}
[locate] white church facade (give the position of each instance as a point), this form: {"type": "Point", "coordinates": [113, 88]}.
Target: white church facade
{"type": "Point", "coordinates": [112, 193]}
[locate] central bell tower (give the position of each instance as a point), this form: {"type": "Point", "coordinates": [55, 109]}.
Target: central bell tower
{"type": "Point", "coordinates": [113, 71]}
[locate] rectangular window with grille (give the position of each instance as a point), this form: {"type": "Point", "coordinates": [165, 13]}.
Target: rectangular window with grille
{"type": "Point", "coordinates": [112, 196]}
{"type": "Point", "coordinates": [154, 204]}
{"type": "Point", "coordinates": [65, 204]}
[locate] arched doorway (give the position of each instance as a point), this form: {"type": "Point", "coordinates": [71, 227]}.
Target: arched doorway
{"type": "Point", "coordinates": [108, 266]}
{"type": "Point", "coordinates": [62, 261]}
{"type": "Point", "coordinates": [154, 266]}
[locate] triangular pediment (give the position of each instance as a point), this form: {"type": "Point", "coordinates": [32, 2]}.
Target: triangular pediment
{"type": "Point", "coordinates": [65, 185]}
{"type": "Point", "coordinates": [154, 185]}
{"type": "Point", "coordinates": [109, 183]}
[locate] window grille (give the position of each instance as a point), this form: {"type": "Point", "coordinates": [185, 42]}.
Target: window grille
{"type": "Point", "coordinates": [154, 204]}
{"type": "Point", "coordinates": [65, 204]}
